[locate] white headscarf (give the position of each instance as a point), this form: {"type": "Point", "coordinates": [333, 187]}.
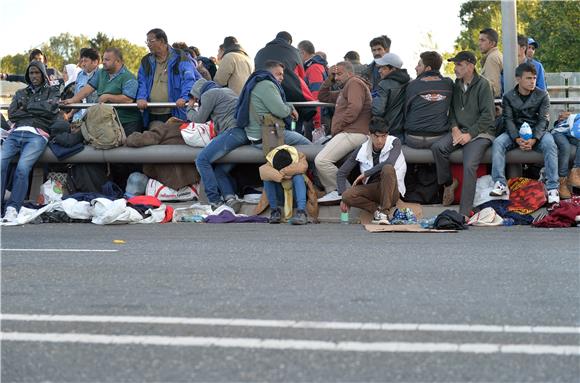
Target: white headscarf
{"type": "Point", "coordinates": [72, 72]}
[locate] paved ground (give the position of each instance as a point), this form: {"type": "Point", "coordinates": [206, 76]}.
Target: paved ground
{"type": "Point", "coordinates": [160, 307]}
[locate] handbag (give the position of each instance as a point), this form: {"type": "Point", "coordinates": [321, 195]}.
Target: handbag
{"type": "Point", "coordinates": [63, 152]}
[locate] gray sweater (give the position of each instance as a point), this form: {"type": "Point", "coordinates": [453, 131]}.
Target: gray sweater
{"type": "Point", "coordinates": [218, 105]}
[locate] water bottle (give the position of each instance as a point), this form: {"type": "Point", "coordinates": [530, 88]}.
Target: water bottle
{"type": "Point", "coordinates": [344, 215]}
{"type": "Point", "coordinates": [293, 125]}
{"type": "Point", "coordinates": [525, 131]}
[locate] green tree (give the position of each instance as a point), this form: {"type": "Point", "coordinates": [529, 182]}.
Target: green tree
{"type": "Point", "coordinates": [14, 64]}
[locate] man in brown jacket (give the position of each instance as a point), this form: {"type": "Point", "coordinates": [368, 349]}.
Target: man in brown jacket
{"type": "Point", "coordinates": [350, 123]}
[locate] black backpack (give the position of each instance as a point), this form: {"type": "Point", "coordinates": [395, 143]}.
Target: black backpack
{"type": "Point", "coordinates": [421, 184]}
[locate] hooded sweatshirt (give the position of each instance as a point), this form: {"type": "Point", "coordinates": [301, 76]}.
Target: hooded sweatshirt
{"type": "Point", "coordinates": [35, 107]}
{"type": "Point", "coordinates": [216, 104]}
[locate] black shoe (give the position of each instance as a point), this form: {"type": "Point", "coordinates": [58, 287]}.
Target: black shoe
{"type": "Point", "coordinates": [299, 218]}
{"type": "Point", "coordinates": [276, 215]}
{"type": "Point", "coordinates": [214, 205]}
{"type": "Point", "coordinates": [235, 204]}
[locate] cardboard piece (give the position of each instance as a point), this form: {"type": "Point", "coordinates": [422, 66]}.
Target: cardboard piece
{"type": "Point", "coordinates": [402, 229]}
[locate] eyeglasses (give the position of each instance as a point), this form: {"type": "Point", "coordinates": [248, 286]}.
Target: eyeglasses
{"type": "Point", "coordinates": [149, 42]}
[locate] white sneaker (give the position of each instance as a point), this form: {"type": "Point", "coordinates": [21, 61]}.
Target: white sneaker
{"type": "Point", "coordinates": [553, 196]}
{"type": "Point", "coordinates": [11, 215]}
{"type": "Point", "coordinates": [330, 197]}
{"type": "Point", "coordinates": [380, 218]}
{"type": "Point", "coordinates": [498, 190]}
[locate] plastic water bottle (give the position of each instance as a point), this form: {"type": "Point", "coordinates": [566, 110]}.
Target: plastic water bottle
{"type": "Point", "coordinates": [293, 125]}
{"type": "Point", "coordinates": [344, 219]}
{"type": "Point", "coordinates": [525, 131]}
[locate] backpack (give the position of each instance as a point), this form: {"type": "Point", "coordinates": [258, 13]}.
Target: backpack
{"type": "Point", "coordinates": [101, 127]}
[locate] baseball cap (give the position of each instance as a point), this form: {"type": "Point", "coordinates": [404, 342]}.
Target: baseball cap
{"type": "Point", "coordinates": [390, 59]}
{"type": "Point", "coordinates": [464, 56]}
{"type": "Point", "coordinates": [136, 184]}
{"type": "Point", "coordinates": [533, 42]}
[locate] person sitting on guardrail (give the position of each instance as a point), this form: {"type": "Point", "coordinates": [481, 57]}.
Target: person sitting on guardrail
{"type": "Point", "coordinates": [566, 133]}
{"type": "Point", "coordinates": [389, 101]}
{"type": "Point", "coordinates": [54, 76]}
{"type": "Point", "coordinates": [208, 101]}
{"type": "Point", "coordinates": [350, 123]}
{"type": "Point", "coordinates": [89, 62]}
{"type": "Point", "coordinates": [472, 128]}
{"type": "Point", "coordinates": [526, 104]}
{"type": "Point", "coordinates": [381, 174]}
{"type": "Point", "coordinates": [114, 84]}
{"type": "Point", "coordinates": [530, 52]}
{"type": "Point", "coordinates": [379, 46]}
{"type": "Point", "coordinates": [165, 75]}
{"type": "Point", "coordinates": [33, 111]}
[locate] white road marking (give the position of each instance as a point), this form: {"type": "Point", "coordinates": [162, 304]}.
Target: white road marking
{"type": "Point", "coordinates": [470, 328]}
{"type": "Point", "coordinates": [62, 250]}
{"type": "Point", "coordinates": [288, 344]}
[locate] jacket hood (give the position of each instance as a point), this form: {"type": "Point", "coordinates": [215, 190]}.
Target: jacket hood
{"type": "Point", "coordinates": [196, 89]}
{"type": "Point", "coordinates": [365, 80]}
{"type": "Point", "coordinates": [400, 76]}
{"type": "Point", "coordinates": [279, 41]}
{"type": "Point", "coordinates": [234, 48]}
{"type": "Point", "coordinates": [316, 59]}
{"type": "Point", "coordinates": [40, 66]}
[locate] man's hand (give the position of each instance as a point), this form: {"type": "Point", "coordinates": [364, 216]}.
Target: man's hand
{"type": "Point", "coordinates": [180, 103]}
{"type": "Point", "coordinates": [294, 115]}
{"type": "Point", "coordinates": [67, 101]}
{"type": "Point", "coordinates": [343, 206]}
{"type": "Point", "coordinates": [455, 134]}
{"type": "Point", "coordinates": [359, 180]}
{"type": "Point", "coordinates": [103, 98]}
{"type": "Point", "coordinates": [142, 104]}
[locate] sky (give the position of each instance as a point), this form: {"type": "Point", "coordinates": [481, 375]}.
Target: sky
{"type": "Point", "coordinates": [334, 28]}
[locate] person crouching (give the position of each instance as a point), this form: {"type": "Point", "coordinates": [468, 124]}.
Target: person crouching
{"type": "Point", "coordinates": [285, 182]}
{"type": "Point", "coordinates": [382, 171]}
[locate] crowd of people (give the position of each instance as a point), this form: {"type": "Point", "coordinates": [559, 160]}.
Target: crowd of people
{"type": "Point", "coordinates": [377, 109]}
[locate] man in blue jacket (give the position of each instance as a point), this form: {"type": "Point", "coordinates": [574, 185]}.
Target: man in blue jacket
{"type": "Point", "coordinates": [165, 75]}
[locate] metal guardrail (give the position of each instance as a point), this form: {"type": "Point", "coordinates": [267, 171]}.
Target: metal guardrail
{"type": "Point", "coordinates": [172, 105]}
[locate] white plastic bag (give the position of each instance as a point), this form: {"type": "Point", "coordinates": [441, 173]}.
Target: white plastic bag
{"type": "Point", "coordinates": [196, 134]}
{"type": "Point", "coordinates": [50, 191]}
{"type": "Point", "coordinates": [165, 193]}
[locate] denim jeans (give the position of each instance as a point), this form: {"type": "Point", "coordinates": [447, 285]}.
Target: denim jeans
{"type": "Point", "coordinates": [30, 146]}
{"type": "Point", "coordinates": [275, 192]}
{"type": "Point", "coordinates": [565, 144]}
{"type": "Point", "coordinates": [546, 145]}
{"type": "Point", "coordinates": [216, 179]}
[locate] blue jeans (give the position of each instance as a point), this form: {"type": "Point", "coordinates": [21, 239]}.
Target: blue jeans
{"type": "Point", "coordinates": [275, 192]}
{"type": "Point", "coordinates": [565, 144]}
{"type": "Point", "coordinates": [216, 179]}
{"type": "Point", "coordinates": [546, 145]}
{"type": "Point", "coordinates": [30, 146]}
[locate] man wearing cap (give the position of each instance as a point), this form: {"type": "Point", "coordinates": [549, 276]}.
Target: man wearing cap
{"type": "Point", "coordinates": [390, 99]}
{"type": "Point", "coordinates": [350, 123]}
{"type": "Point", "coordinates": [492, 60]}
{"type": "Point", "coordinates": [530, 52]}
{"type": "Point", "coordinates": [472, 129]}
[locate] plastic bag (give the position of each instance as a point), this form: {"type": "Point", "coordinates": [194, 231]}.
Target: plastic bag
{"type": "Point", "coordinates": [318, 135]}
{"type": "Point", "coordinates": [165, 193]}
{"type": "Point", "coordinates": [50, 191]}
{"type": "Point", "coordinates": [197, 135]}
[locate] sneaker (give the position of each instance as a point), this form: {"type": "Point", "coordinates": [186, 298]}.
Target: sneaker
{"type": "Point", "coordinates": [235, 204]}
{"type": "Point", "coordinates": [498, 190]}
{"type": "Point", "coordinates": [276, 215]}
{"type": "Point", "coordinates": [299, 218]}
{"type": "Point", "coordinates": [215, 205]}
{"type": "Point", "coordinates": [553, 196]}
{"type": "Point", "coordinates": [330, 198]}
{"type": "Point", "coordinates": [380, 218]}
{"type": "Point", "coordinates": [564, 189]}
{"type": "Point", "coordinates": [11, 214]}
{"type": "Point", "coordinates": [449, 193]}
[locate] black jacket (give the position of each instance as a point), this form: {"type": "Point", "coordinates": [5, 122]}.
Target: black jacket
{"type": "Point", "coordinates": [427, 103]}
{"type": "Point", "coordinates": [390, 100]}
{"type": "Point", "coordinates": [535, 111]}
{"type": "Point", "coordinates": [35, 107]}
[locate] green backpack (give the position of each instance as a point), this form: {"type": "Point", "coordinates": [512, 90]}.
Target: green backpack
{"type": "Point", "coordinates": [101, 127]}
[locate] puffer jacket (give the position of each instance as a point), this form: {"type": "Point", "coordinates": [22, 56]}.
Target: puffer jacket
{"type": "Point", "coordinates": [390, 101]}
{"type": "Point", "coordinates": [36, 107]}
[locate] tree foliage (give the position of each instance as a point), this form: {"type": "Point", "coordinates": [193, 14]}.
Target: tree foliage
{"type": "Point", "coordinates": [552, 23]}
{"type": "Point", "coordinates": [65, 49]}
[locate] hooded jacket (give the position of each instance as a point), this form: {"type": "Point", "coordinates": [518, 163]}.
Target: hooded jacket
{"type": "Point", "coordinates": [535, 111]}
{"type": "Point", "coordinates": [294, 86]}
{"type": "Point", "coordinates": [234, 69]}
{"type": "Point", "coordinates": [216, 104]}
{"type": "Point", "coordinates": [352, 111]}
{"type": "Point", "coordinates": [35, 107]}
{"type": "Point", "coordinates": [181, 76]}
{"type": "Point", "coordinates": [390, 100]}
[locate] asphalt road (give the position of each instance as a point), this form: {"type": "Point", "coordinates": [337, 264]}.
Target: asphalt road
{"type": "Point", "coordinates": [342, 304]}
